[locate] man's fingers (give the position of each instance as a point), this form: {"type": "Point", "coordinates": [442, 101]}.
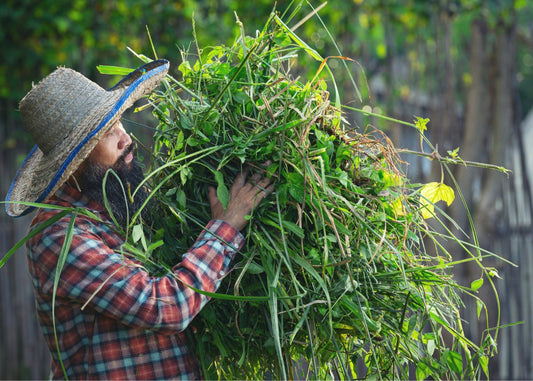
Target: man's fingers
{"type": "Point", "coordinates": [213, 199]}
{"type": "Point", "coordinates": [264, 182]}
{"type": "Point", "coordinates": [240, 179]}
{"type": "Point", "coordinates": [265, 191]}
{"type": "Point", "coordinates": [262, 189]}
{"type": "Point", "coordinates": [253, 189]}
{"type": "Point", "coordinates": [269, 189]}
{"type": "Point", "coordinates": [211, 191]}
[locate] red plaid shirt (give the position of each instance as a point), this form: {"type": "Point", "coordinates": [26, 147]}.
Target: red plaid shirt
{"type": "Point", "coordinates": [132, 324]}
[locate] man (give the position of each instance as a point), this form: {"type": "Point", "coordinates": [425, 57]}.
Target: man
{"type": "Point", "coordinates": [106, 318]}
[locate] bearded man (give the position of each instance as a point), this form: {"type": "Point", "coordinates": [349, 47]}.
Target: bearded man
{"type": "Point", "coordinates": [106, 317]}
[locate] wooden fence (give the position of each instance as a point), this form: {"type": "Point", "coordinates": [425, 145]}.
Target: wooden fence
{"type": "Point", "coordinates": [515, 355]}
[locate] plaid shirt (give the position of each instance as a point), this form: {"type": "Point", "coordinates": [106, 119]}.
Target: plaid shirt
{"type": "Point", "coordinates": [113, 320]}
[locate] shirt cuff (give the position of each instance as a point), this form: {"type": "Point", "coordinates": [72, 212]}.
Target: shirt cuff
{"type": "Point", "coordinates": [225, 233]}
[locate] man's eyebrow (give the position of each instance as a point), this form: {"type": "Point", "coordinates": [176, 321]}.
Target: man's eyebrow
{"type": "Point", "coordinates": [112, 127]}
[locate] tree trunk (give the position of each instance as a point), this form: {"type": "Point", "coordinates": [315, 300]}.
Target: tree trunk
{"type": "Point", "coordinates": [502, 119]}
{"type": "Point", "coordinates": [444, 123]}
{"type": "Point", "coordinates": [476, 122]}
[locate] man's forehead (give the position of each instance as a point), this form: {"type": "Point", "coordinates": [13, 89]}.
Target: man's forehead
{"type": "Point", "coordinates": [114, 126]}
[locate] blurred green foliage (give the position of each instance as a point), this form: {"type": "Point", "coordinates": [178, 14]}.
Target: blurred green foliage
{"type": "Point", "coordinates": [39, 35]}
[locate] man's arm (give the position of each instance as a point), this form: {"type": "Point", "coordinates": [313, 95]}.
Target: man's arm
{"type": "Point", "coordinates": [94, 276]}
{"type": "Point", "coordinates": [98, 278]}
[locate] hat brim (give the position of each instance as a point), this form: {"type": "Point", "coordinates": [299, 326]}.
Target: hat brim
{"type": "Point", "coordinates": [41, 175]}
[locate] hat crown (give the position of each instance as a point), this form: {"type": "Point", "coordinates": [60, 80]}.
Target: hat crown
{"type": "Point", "coordinates": [55, 106]}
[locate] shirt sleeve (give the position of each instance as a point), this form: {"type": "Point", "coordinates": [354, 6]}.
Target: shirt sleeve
{"type": "Point", "coordinates": [94, 276]}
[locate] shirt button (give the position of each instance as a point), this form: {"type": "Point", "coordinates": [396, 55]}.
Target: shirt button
{"type": "Point", "coordinates": [221, 273]}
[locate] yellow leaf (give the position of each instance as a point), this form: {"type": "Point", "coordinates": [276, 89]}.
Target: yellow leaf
{"type": "Point", "coordinates": [391, 179]}
{"type": "Point", "coordinates": [397, 207]}
{"type": "Point", "coordinates": [431, 194]}
{"type": "Point", "coordinates": [435, 192]}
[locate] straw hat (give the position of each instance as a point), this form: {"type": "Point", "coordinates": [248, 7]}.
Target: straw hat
{"type": "Point", "coordinates": [66, 115]}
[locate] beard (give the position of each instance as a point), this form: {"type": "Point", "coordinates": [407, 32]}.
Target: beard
{"type": "Point", "coordinates": [118, 191]}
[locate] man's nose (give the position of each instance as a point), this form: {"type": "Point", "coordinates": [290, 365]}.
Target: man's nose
{"type": "Point", "coordinates": [125, 138]}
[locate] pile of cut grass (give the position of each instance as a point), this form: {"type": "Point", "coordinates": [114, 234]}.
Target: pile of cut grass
{"type": "Point", "coordinates": [334, 279]}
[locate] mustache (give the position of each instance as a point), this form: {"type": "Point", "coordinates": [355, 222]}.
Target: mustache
{"type": "Point", "coordinates": [132, 148]}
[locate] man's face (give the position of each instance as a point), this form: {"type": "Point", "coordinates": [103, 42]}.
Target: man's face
{"type": "Point", "coordinates": [113, 144]}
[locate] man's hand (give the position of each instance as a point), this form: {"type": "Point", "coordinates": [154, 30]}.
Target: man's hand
{"type": "Point", "coordinates": [244, 196]}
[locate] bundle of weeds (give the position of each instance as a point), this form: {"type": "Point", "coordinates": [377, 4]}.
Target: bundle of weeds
{"type": "Point", "coordinates": [334, 279]}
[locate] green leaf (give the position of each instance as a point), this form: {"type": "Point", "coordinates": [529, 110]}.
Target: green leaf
{"type": "Point", "coordinates": [254, 268]}
{"type": "Point", "coordinates": [184, 175]}
{"type": "Point", "coordinates": [192, 141]}
{"type": "Point", "coordinates": [479, 307]}
{"type": "Point", "coordinates": [435, 192]}
{"type": "Point", "coordinates": [421, 124]}
{"type": "Point", "coordinates": [137, 234]}
{"type": "Point", "coordinates": [171, 192]}
{"type": "Point", "coordinates": [296, 186]}
{"type": "Point", "coordinates": [113, 70]}
{"type": "Point", "coordinates": [431, 347]}
{"type": "Point", "coordinates": [241, 97]}
{"type": "Point", "coordinates": [454, 154]}
{"type": "Point", "coordinates": [185, 68]}
{"type": "Point", "coordinates": [476, 285]}
{"type": "Point", "coordinates": [155, 245]}
{"type": "Point", "coordinates": [453, 360]}
{"type": "Point", "coordinates": [31, 234]}
{"type": "Point", "coordinates": [412, 324]}
{"type": "Point", "coordinates": [65, 250]}
{"type": "Point", "coordinates": [312, 52]}
{"type": "Point", "coordinates": [484, 362]}
{"type": "Point", "coordinates": [181, 198]}
{"type": "Point", "coordinates": [422, 371]}
{"type": "Point", "coordinates": [291, 226]}
{"type": "Point", "coordinates": [180, 140]}
{"type": "Point", "coordinates": [342, 229]}
{"type": "Point", "coordinates": [222, 190]}
{"type": "Point", "coordinates": [519, 4]}
{"type": "Point", "coordinates": [311, 271]}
